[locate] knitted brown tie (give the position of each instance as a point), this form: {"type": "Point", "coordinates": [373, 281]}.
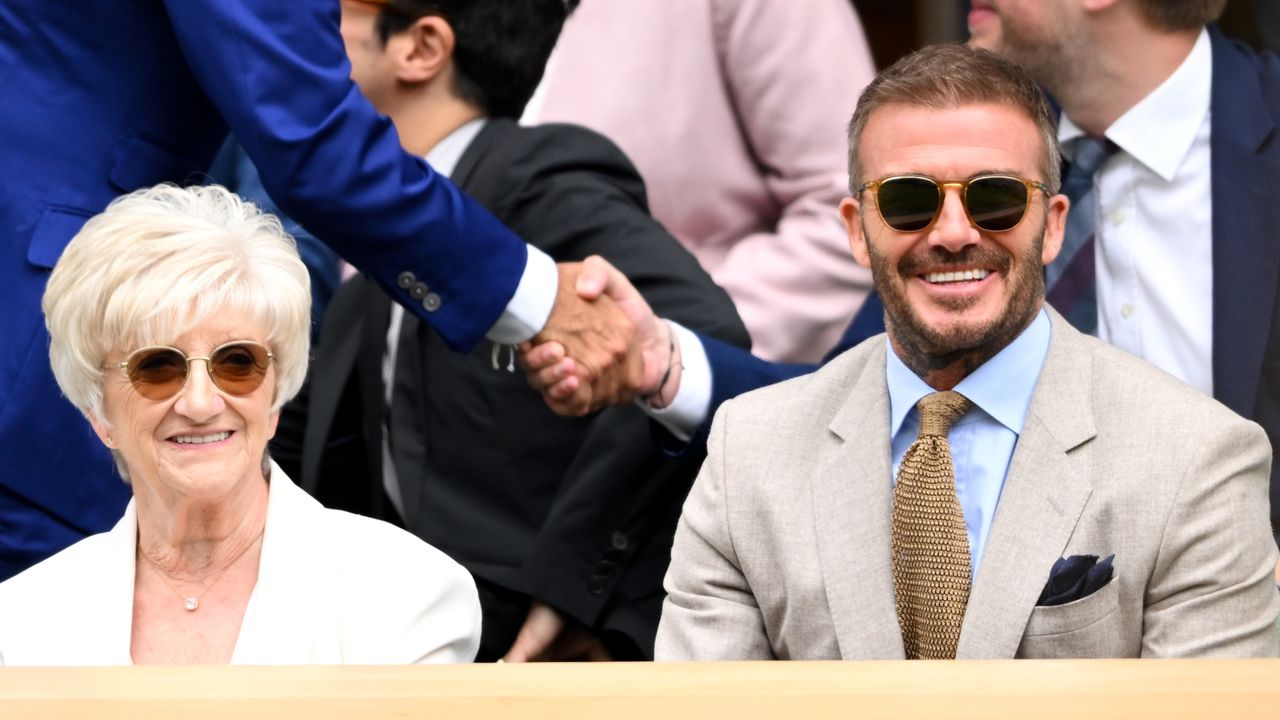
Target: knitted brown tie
{"type": "Point", "coordinates": [930, 544]}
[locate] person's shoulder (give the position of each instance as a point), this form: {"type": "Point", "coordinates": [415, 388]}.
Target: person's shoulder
{"type": "Point", "coordinates": [1134, 389]}
{"type": "Point", "coordinates": [357, 539]}
{"type": "Point", "coordinates": [1235, 53]}
{"type": "Point", "coordinates": [561, 144]}
{"type": "Point", "coordinates": [814, 398]}
{"type": "Point", "coordinates": [406, 601]}
{"type": "Point", "coordinates": [40, 606]}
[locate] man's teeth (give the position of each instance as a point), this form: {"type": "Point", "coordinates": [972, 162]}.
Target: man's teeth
{"type": "Point", "coordinates": [201, 439]}
{"type": "Point", "coordinates": [961, 276]}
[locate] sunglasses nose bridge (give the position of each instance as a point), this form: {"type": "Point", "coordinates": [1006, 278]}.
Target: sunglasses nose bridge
{"type": "Point", "coordinates": [208, 363]}
{"type": "Point", "coordinates": [199, 398]}
{"type": "Point", "coordinates": [208, 366]}
{"type": "Point", "coordinates": [953, 227]}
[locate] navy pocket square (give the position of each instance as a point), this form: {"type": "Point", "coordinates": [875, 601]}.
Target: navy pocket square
{"type": "Point", "coordinates": [1074, 578]}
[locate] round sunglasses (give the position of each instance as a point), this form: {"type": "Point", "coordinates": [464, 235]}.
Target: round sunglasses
{"type": "Point", "coordinates": [159, 372]}
{"type": "Point", "coordinates": [994, 203]}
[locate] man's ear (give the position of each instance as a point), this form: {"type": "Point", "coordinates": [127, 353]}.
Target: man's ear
{"type": "Point", "coordinates": [851, 214]}
{"type": "Point", "coordinates": [1055, 224]}
{"type": "Point", "coordinates": [424, 51]}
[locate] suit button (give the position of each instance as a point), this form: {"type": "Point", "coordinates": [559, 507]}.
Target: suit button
{"type": "Point", "coordinates": [431, 302]}
{"type": "Point", "coordinates": [418, 291]}
{"type": "Point", "coordinates": [405, 280]}
{"type": "Point", "coordinates": [618, 541]}
{"type": "Point", "coordinates": [595, 586]}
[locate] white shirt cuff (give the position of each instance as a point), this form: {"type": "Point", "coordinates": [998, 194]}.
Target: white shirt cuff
{"type": "Point", "coordinates": [530, 307]}
{"type": "Point", "coordinates": [689, 408]}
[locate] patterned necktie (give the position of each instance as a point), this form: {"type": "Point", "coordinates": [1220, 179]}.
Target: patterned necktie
{"type": "Point", "coordinates": [1071, 278]}
{"type": "Point", "coordinates": [930, 543]}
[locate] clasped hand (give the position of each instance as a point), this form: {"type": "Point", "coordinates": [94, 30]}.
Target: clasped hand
{"type": "Point", "coordinates": [615, 349]}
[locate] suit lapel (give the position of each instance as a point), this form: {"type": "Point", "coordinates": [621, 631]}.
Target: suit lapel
{"type": "Point", "coordinates": [1245, 216]}
{"type": "Point", "coordinates": [1044, 493]}
{"type": "Point", "coordinates": [469, 174]}
{"type": "Point", "coordinates": [357, 310]}
{"type": "Point", "coordinates": [852, 505]}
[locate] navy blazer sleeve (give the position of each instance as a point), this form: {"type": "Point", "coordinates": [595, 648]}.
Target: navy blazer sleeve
{"type": "Point", "coordinates": [735, 371]}
{"type": "Point", "coordinates": [278, 74]}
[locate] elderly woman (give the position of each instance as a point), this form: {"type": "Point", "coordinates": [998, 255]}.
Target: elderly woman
{"type": "Point", "coordinates": [179, 324]}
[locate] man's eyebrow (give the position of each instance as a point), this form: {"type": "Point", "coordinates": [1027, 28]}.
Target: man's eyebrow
{"type": "Point", "coordinates": [994, 171]}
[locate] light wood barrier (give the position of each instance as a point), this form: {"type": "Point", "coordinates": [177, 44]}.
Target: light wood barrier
{"type": "Point", "coordinates": [1036, 690]}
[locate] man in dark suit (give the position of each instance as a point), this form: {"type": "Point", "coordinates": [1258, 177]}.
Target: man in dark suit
{"type": "Point", "coordinates": [565, 523]}
{"type": "Point", "coordinates": [1187, 266]}
{"type": "Point", "coordinates": [103, 97]}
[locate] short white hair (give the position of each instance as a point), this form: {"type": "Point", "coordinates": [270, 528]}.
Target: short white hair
{"type": "Point", "coordinates": [157, 263]}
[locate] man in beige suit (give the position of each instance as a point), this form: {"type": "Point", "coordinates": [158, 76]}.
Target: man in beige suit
{"type": "Point", "coordinates": [1097, 507]}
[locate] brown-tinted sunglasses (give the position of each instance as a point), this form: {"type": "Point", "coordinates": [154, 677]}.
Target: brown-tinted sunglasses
{"type": "Point", "coordinates": [159, 372]}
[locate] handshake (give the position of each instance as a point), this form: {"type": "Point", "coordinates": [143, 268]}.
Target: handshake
{"type": "Point", "coordinates": [602, 345]}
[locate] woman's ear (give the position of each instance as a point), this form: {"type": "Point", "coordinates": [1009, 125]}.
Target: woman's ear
{"type": "Point", "coordinates": [102, 430]}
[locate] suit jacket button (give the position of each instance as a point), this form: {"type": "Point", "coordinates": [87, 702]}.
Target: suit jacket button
{"type": "Point", "coordinates": [405, 280]}
{"type": "Point", "coordinates": [618, 541]}
{"type": "Point", "coordinates": [595, 586]}
{"type": "Point", "coordinates": [431, 302]}
{"type": "Point", "coordinates": [418, 291]}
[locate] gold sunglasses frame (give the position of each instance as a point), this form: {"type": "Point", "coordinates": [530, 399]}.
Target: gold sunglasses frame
{"type": "Point", "coordinates": [963, 185]}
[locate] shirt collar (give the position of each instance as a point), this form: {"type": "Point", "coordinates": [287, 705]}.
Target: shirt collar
{"type": "Point", "coordinates": [1000, 387]}
{"type": "Point", "coordinates": [445, 155]}
{"type": "Point", "coordinates": [1160, 130]}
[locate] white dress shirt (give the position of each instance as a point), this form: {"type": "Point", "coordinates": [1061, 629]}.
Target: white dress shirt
{"type": "Point", "coordinates": [1155, 225]}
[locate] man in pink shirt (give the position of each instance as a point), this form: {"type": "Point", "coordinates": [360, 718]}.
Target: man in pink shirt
{"type": "Point", "coordinates": [733, 111]}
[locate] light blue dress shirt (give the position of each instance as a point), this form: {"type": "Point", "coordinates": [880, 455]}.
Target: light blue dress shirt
{"type": "Point", "coordinates": [982, 440]}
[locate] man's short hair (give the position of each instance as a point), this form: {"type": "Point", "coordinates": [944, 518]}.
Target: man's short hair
{"type": "Point", "coordinates": [1182, 14]}
{"type": "Point", "coordinates": [501, 46]}
{"type": "Point", "coordinates": [943, 77]}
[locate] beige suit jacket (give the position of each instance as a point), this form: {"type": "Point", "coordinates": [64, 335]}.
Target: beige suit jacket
{"type": "Point", "coordinates": [783, 550]}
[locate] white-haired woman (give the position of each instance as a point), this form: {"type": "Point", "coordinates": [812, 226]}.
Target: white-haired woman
{"type": "Point", "coordinates": [179, 324]}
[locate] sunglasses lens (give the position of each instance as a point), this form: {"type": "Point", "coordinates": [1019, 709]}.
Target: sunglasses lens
{"type": "Point", "coordinates": [908, 204]}
{"type": "Point", "coordinates": [239, 369]}
{"type": "Point", "coordinates": [996, 204]}
{"type": "Point", "coordinates": [157, 373]}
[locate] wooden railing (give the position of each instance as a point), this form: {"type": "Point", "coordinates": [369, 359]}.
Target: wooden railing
{"type": "Point", "coordinates": [1035, 690]}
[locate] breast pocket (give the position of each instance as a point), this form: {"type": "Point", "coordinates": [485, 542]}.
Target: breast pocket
{"type": "Point", "coordinates": [1089, 627]}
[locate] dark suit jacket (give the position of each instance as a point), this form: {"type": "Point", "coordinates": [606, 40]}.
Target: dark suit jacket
{"type": "Point", "coordinates": [103, 97]}
{"type": "Point", "coordinates": [576, 512]}
{"type": "Point", "coordinates": [1245, 149]}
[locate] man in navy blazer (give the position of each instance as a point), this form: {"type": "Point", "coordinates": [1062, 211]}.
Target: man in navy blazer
{"type": "Point", "coordinates": [1129, 52]}
{"type": "Point", "coordinates": [102, 97]}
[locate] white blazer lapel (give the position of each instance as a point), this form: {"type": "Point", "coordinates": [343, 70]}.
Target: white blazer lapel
{"type": "Point", "coordinates": [284, 609]}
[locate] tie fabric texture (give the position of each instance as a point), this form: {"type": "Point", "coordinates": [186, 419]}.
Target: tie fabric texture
{"type": "Point", "coordinates": [1071, 279]}
{"type": "Point", "coordinates": [930, 544]}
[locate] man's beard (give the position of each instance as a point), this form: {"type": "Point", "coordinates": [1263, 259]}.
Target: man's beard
{"type": "Point", "coordinates": [925, 348]}
{"type": "Point", "coordinates": [1047, 57]}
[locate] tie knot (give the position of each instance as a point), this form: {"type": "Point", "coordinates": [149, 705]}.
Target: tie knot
{"type": "Point", "coordinates": [1090, 153]}
{"type": "Point", "coordinates": [939, 410]}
